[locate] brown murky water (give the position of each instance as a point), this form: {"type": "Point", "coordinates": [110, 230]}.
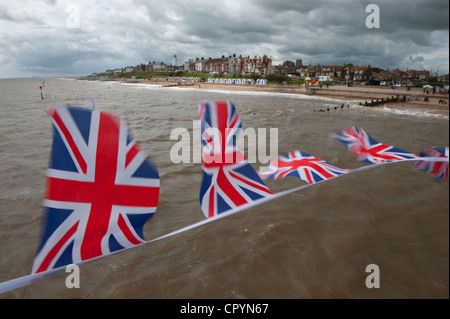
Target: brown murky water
{"type": "Point", "coordinates": [315, 243]}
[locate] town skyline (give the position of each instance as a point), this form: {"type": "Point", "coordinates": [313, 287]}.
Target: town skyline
{"type": "Point", "coordinates": [262, 65]}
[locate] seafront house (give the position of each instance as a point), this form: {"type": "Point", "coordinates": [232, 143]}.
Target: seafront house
{"type": "Point", "coordinates": [362, 73]}
{"type": "Point", "coordinates": [331, 70]}
{"type": "Point", "coordinates": [399, 75]}
{"type": "Point", "coordinates": [410, 75]}
{"type": "Point", "coordinates": [258, 65]}
{"type": "Point", "coordinates": [418, 75]}
{"type": "Point", "coordinates": [220, 65]}
{"type": "Point", "coordinates": [380, 74]}
{"type": "Point", "coordinates": [231, 65]}
{"type": "Point", "coordinates": [289, 66]}
{"type": "Point", "coordinates": [310, 71]}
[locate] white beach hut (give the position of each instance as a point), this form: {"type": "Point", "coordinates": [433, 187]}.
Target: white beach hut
{"type": "Point", "coordinates": [261, 82]}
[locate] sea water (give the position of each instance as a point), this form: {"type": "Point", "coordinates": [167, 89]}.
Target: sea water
{"type": "Point", "coordinates": [315, 243]}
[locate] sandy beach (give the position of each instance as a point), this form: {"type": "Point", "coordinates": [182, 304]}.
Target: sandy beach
{"type": "Point", "coordinates": [415, 96]}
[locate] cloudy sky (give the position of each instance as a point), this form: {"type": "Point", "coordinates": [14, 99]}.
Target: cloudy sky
{"type": "Point", "coordinates": [69, 38]}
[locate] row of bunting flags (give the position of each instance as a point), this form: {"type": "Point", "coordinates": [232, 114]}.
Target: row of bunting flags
{"type": "Point", "coordinates": [101, 189]}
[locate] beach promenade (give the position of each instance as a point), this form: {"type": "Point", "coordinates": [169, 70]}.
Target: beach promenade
{"type": "Point", "coordinates": [416, 98]}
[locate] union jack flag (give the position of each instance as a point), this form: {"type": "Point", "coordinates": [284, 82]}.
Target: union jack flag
{"type": "Point", "coordinates": [229, 180]}
{"type": "Point", "coordinates": [368, 150]}
{"type": "Point", "coordinates": [438, 169]}
{"type": "Point", "coordinates": [302, 165]}
{"type": "Point", "coordinates": [100, 189]}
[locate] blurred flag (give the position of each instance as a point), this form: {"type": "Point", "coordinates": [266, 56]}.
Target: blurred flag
{"type": "Point", "coordinates": [229, 181]}
{"type": "Point", "coordinates": [366, 149]}
{"type": "Point", "coordinates": [438, 169]}
{"type": "Point", "coordinates": [100, 189]}
{"type": "Point", "coordinates": [302, 165]}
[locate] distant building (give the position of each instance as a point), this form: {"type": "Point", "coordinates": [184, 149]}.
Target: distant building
{"type": "Point", "coordinates": [331, 70]}
{"type": "Point", "coordinates": [175, 61]}
{"type": "Point", "coordinates": [159, 67]}
{"type": "Point", "coordinates": [399, 75]}
{"type": "Point", "coordinates": [418, 75]}
{"type": "Point", "coordinates": [199, 65]}
{"type": "Point", "coordinates": [220, 65]}
{"type": "Point", "coordinates": [235, 65]}
{"type": "Point", "coordinates": [143, 68]}
{"type": "Point", "coordinates": [231, 64]}
{"type": "Point", "coordinates": [356, 73]}
{"type": "Point", "coordinates": [258, 65]}
{"type": "Point", "coordinates": [289, 66]}
{"type": "Point", "coordinates": [187, 65]}
{"type": "Point", "coordinates": [310, 71]}
{"type": "Point", "coordinates": [362, 73]}
{"type": "Point", "coordinates": [380, 74]}
{"type": "Point", "coordinates": [278, 69]}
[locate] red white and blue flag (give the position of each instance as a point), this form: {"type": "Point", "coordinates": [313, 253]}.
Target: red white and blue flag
{"type": "Point", "coordinates": [368, 150]}
{"type": "Point", "coordinates": [100, 189]}
{"type": "Point", "coordinates": [229, 181]}
{"type": "Point", "coordinates": [302, 165]}
{"type": "Point", "coordinates": [438, 169]}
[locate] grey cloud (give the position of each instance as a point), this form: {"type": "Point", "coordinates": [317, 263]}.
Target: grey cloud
{"type": "Point", "coordinates": [21, 17]}
{"type": "Point", "coordinates": [5, 15]}
{"type": "Point", "coordinates": [140, 31]}
{"type": "Point", "coordinates": [274, 7]}
{"type": "Point", "coordinates": [424, 15]}
{"type": "Point", "coordinates": [51, 2]}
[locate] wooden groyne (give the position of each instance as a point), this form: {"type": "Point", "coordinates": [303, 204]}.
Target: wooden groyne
{"type": "Point", "coordinates": [382, 101]}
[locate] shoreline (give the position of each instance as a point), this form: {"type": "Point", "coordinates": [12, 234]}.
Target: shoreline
{"type": "Point", "coordinates": [415, 96]}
